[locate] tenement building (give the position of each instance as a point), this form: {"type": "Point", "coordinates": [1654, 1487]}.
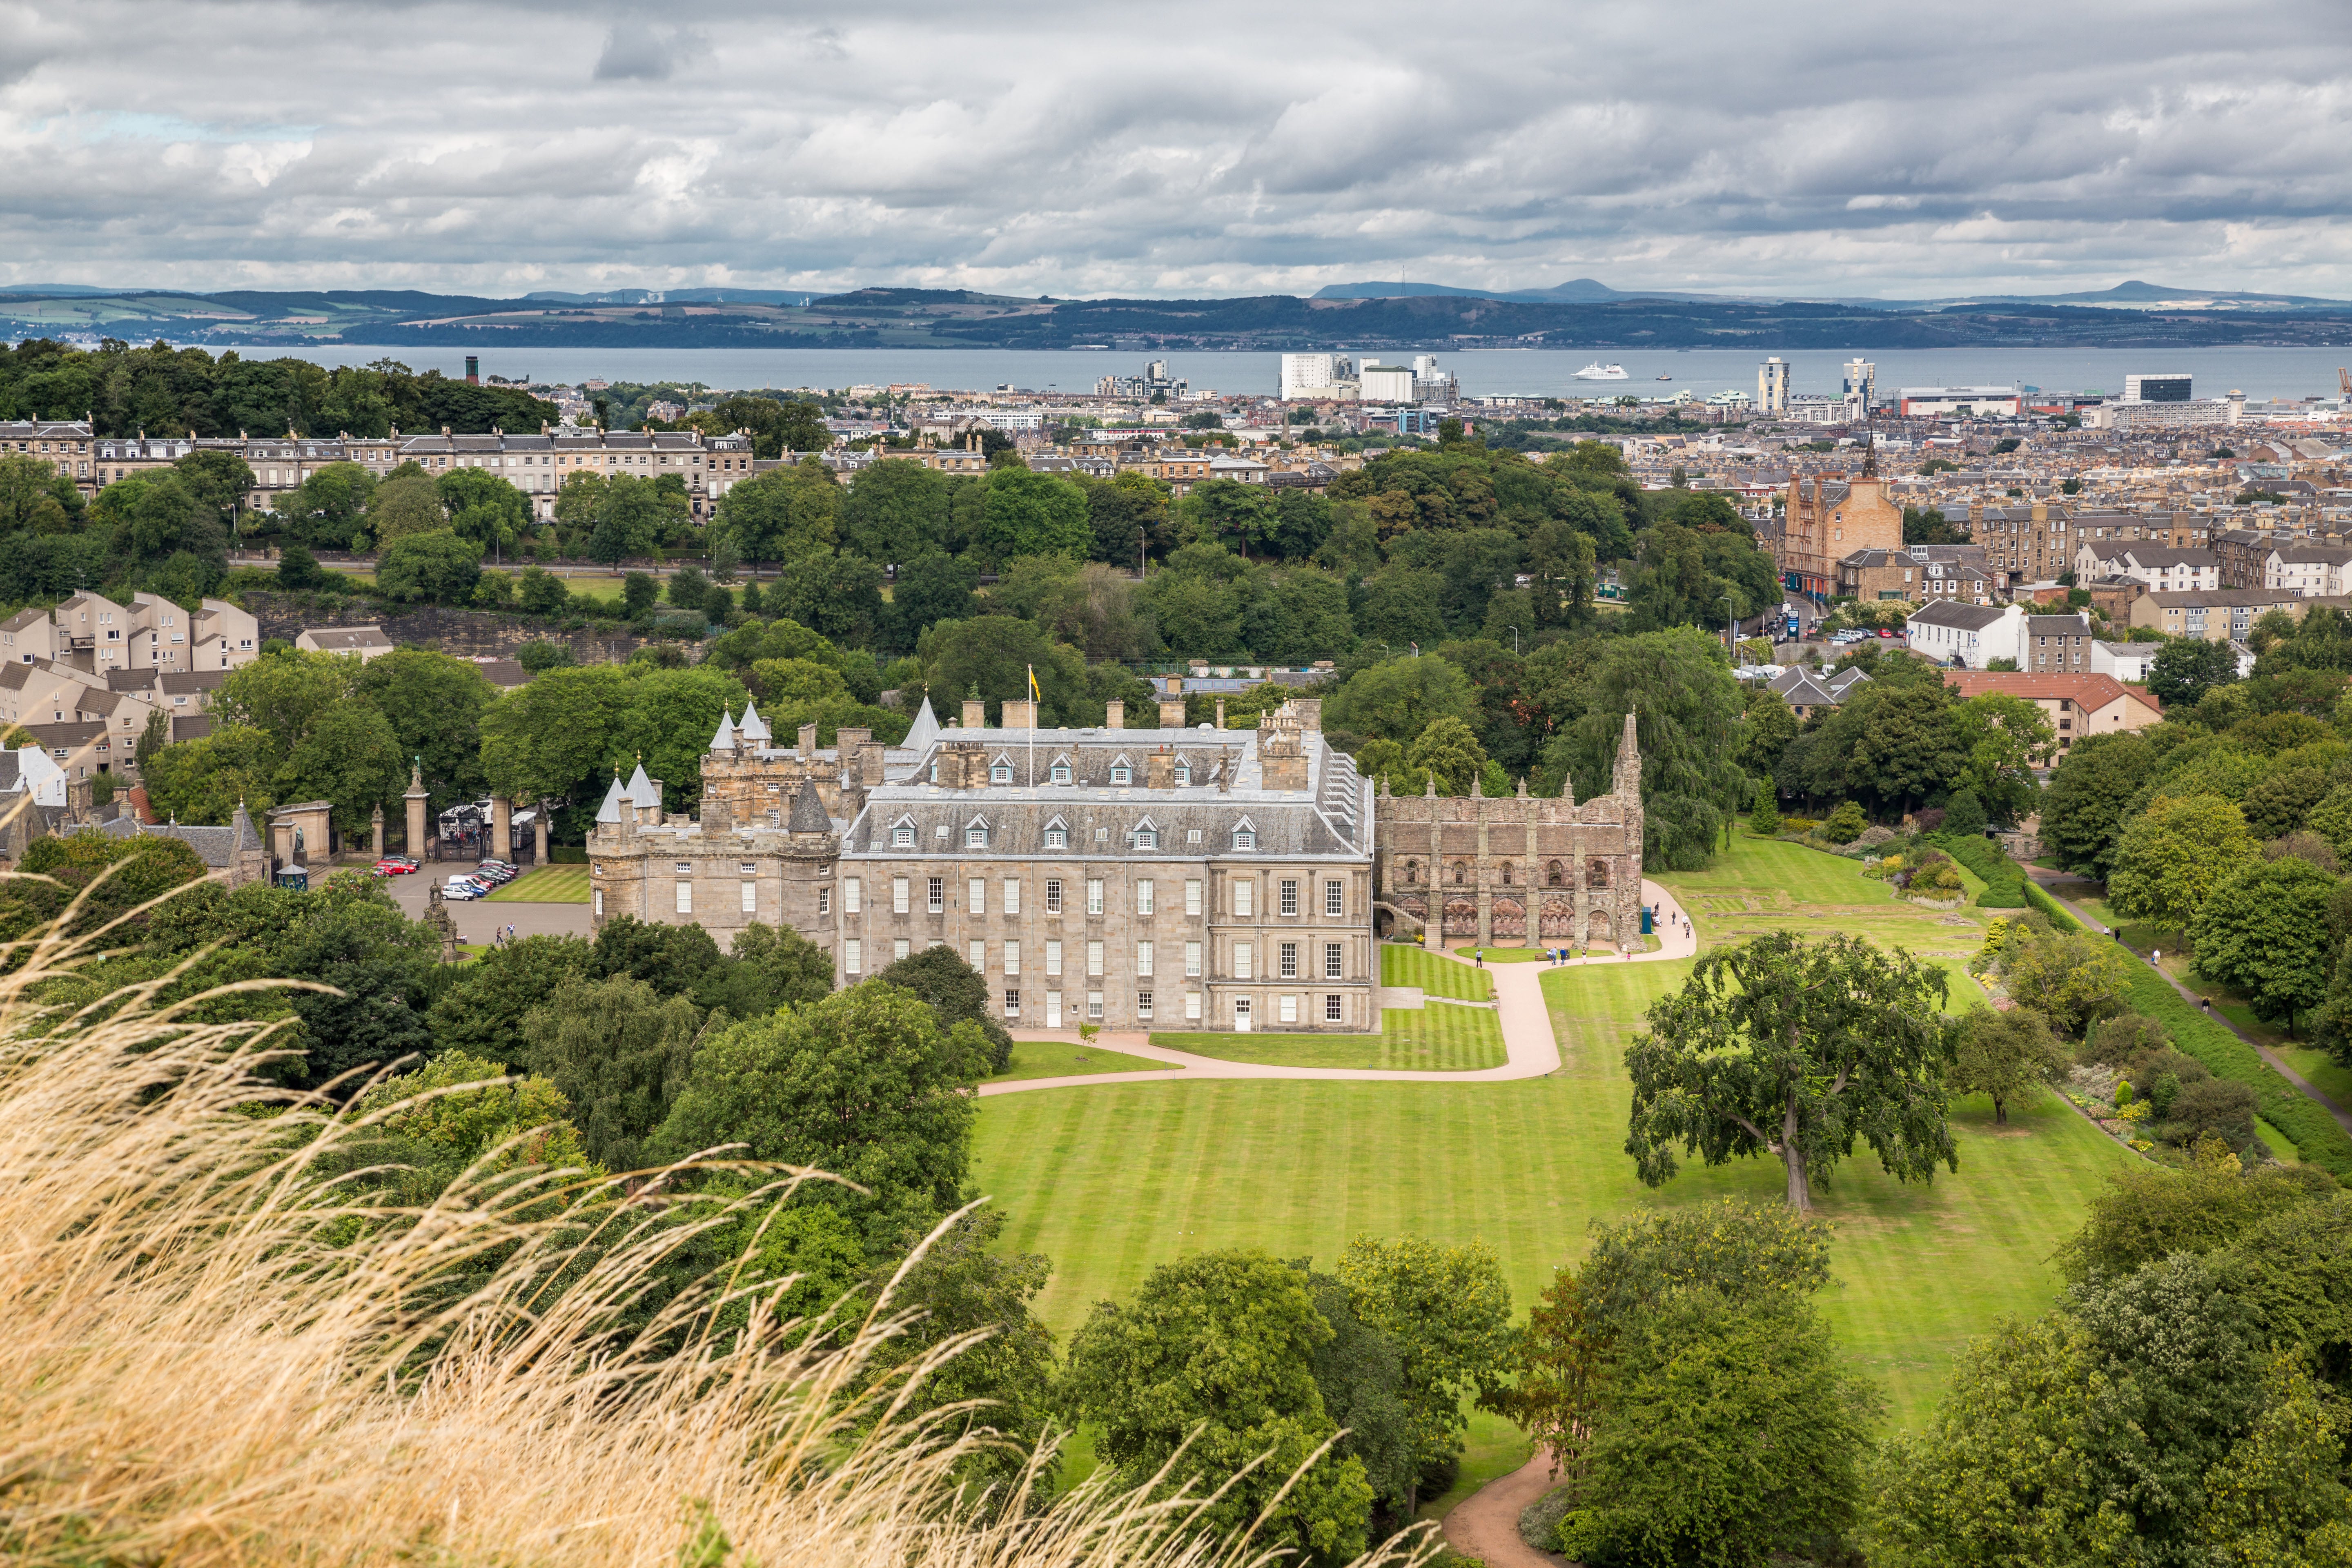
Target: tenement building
{"type": "Point", "coordinates": [1139, 879]}
{"type": "Point", "coordinates": [1480, 866]}
{"type": "Point", "coordinates": [1830, 519]}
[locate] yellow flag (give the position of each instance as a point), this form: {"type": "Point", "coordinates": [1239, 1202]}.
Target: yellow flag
{"type": "Point", "coordinates": [1034, 693]}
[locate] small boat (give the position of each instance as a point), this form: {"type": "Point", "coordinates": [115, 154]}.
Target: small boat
{"type": "Point", "coordinates": [1665, 375]}
{"type": "Point", "coordinates": [1596, 371]}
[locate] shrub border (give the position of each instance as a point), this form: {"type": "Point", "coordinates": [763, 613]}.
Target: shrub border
{"type": "Point", "coordinates": [2306, 1123]}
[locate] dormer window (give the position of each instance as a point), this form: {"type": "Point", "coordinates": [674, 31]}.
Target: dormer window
{"type": "Point", "coordinates": [1147, 836]}
{"type": "Point", "coordinates": [1061, 770]}
{"type": "Point", "coordinates": [1120, 772]}
{"type": "Point", "coordinates": [1000, 771]}
{"type": "Point", "coordinates": [975, 835]}
{"type": "Point", "coordinates": [1057, 834]}
{"type": "Point", "coordinates": [1183, 772]}
{"type": "Point", "coordinates": [902, 836]}
{"type": "Point", "coordinates": [1244, 835]}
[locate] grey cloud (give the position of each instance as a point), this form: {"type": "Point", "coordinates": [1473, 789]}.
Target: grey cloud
{"type": "Point", "coordinates": [1840, 149]}
{"type": "Point", "coordinates": [640, 52]}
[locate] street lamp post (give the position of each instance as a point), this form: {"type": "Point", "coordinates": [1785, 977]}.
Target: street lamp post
{"type": "Point", "coordinates": [1515, 641]}
{"type": "Point", "coordinates": [1731, 628]}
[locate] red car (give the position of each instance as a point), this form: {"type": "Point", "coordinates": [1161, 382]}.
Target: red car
{"type": "Point", "coordinates": [394, 866]}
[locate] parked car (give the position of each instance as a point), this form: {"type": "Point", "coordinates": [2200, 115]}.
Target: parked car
{"type": "Point", "coordinates": [394, 866]}
{"type": "Point", "coordinates": [463, 888]}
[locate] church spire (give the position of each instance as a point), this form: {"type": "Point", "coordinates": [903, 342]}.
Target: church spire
{"type": "Point", "coordinates": [1626, 778]}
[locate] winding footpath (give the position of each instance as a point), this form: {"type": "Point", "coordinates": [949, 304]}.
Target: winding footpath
{"type": "Point", "coordinates": [2318, 1096]}
{"type": "Point", "coordinates": [1528, 1049]}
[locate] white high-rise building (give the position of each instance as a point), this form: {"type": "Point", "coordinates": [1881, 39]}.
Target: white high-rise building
{"type": "Point", "coordinates": [1861, 380]}
{"type": "Point", "coordinates": [1309, 376]}
{"type": "Point", "coordinates": [1772, 386]}
{"type": "Point", "coordinates": [1386, 383]}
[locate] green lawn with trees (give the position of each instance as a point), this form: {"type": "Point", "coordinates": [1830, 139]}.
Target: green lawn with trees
{"type": "Point", "coordinates": [1110, 1180]}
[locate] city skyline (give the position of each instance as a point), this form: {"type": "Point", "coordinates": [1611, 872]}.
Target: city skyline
{"type": "Point", "coordinates": [512, 146]}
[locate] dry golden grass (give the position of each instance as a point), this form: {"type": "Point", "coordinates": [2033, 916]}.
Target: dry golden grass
{"type": "Point", "coordinates": [214, 1354]}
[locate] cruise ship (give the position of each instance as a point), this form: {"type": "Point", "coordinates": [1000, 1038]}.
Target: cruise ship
{"type": "Point", "coordinates": [1596, 371]}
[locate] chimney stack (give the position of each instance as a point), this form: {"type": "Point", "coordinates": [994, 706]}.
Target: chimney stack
{"type": "Point", "coordinates": [1115, 715]}
{"type": "Point", "coordinates": [1221, 713]}
{"type": "Point", "coordinates": [975, 713]}
{"type": "Point", "coordinates": [808, 742]}
{"type": "Point", "coordinates": [1171, 704]}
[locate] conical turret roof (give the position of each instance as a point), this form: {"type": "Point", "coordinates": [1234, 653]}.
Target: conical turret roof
{"type": "Point", "coordinates": [809, 814]}
{"type": "Point", "coordinates": [613, 809]}
{"type": "Point", "coordinates": [925, 731]}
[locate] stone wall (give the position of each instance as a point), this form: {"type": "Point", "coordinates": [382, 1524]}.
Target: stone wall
{"type": "Point", "coordinates": [469, 633]}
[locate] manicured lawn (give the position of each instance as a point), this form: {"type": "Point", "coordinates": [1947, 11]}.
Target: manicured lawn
{"type": "Point", "coordinates": [1403, 964]}
{"type": "Point", "coordinates": [1440, 1037]}
{"type": "Point", "coordinates": [1762, 884]}
{"type": "Point", "coordinates": [1108, 1180]}
{"type": "Point", "coordinates": [1059, 1058]}
{"type": "Point", "coordinates": [1508, 954]}
{"type": "Point", "coordinates": [547, 885]}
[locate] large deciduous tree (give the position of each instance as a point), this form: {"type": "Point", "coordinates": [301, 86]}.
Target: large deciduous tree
{"type": "Point", "coordinates": [2082, 808]}
{"type": "Point", "coordinates": [620, 1053]}
{"type": "Point", "coordinates": [434, 704]}
{"type": "Point", "coordinates": [2004, 1055]}
{"type": "Point", "coordinates": [437, 566]}
{"type": "Point", "coordinates": [1799, 1049]}
{"type": "Point", "coordinates": [2185, 668]}
{"type": "Point", "coordinates": [864, 1084]}
{"type": "Point", "coordinates": [1398, 700]}
{"type": "Point", "coordinates": [1688, 709]}
{"type": "Point", "coordinates": [2264, 933]}
{"type": "Point", "coordinates": [1448, 1312]}
{"type": "Point", "coordinates": [2174, 854]}
{"type": "Point", "coordinates": [1216, 1356]}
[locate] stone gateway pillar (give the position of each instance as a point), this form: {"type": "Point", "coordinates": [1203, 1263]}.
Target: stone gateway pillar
{"type": "Point", "coordinates": [415, 796]}
{"type": "Point", "coordinates": [375, 832]}
{"type": "Point", "coordinates": [538, 835]}
{"type": "Point", "coordinates": [501, 845]}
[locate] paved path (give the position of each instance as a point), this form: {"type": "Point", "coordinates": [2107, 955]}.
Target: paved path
{"type": "Point", "coordinates": [1529, 1050]}
{"type": "Point", "coordinates": [1485, 1524]}
{"type": "Point", "coordinates": [2044, 877]}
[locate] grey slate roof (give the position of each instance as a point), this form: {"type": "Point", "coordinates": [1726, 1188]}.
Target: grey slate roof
{"type": "Point", "coordinates": [1953, 613]}
{"type": "Point", "coordinates": [809, 814]}
{"type": "Point", "coordinates": [217, 847]}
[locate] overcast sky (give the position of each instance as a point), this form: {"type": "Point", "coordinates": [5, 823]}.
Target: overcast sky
{"type": "Point", "coordinates": [500, 146]}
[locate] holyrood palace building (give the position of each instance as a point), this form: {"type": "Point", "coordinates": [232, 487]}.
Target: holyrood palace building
{"type": "Point", "coordinates": [1164, 878]}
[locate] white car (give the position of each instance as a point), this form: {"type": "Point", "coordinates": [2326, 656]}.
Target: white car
{"type": "Point", "coordinates": [463, 889]}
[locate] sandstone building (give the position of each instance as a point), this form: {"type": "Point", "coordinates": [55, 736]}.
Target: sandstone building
{"type": "Point", "coordinates": [1828, 520]}
{"type": "Point", "coordinates": [1139, 879]}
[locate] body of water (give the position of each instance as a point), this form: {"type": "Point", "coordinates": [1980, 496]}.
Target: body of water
{"type": "Point", "coordinates": [2259, 373]}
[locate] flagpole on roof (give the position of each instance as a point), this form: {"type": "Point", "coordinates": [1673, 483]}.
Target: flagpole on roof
{"type": "Point", "coordinates": [1032, 726]}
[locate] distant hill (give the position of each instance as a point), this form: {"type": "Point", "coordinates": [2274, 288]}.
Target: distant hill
{"type": "Point", "coordinates": [1582, 314]}
{"type": "Point", "coordinates": [1592, 291]}
{"type": "Point", "coordinates": [1575, 291]}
